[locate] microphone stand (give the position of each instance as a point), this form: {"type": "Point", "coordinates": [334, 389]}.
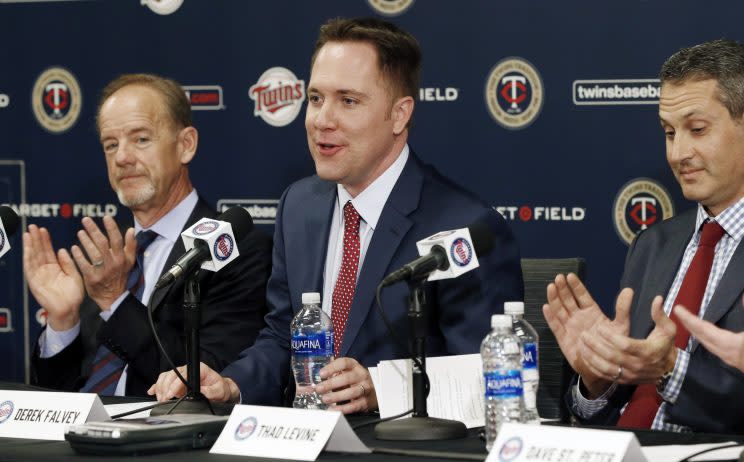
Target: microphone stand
{"type": "Point", "coordinates": [194, 402]}
{"type": "Point", "coordinates": [420, 427]}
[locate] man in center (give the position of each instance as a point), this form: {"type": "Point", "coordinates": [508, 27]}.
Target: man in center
{"type": "Point", "coordinates": [341, 231]}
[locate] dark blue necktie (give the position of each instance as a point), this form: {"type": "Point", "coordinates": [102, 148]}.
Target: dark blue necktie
{"type": "Point", "coordinates": [107, 367]}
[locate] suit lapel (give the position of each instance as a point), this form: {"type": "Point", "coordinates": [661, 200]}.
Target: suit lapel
{"type": "Point", "coordinates": [319, 209]}
{"type": "Point", "coordinates": [200, 211]}
{"type": "Point", "coordinates": [391, 229]}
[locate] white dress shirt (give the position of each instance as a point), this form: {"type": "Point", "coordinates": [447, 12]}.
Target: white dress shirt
{"type": "Point", "coordinates": [368, 204]}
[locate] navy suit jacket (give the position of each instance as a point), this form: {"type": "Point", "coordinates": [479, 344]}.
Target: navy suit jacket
{"type": "Point", "coordinates": [421, 203]}
{"type": "Point", "coordinates": [712, 395]}
{"type": "Point", "coordinates": [233, 305]}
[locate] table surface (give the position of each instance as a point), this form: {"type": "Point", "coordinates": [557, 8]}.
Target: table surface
{"type": "Point", "coordinates": [13, 449]}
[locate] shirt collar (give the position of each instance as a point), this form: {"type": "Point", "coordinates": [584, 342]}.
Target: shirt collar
{"type": "Point", "coordinates": [370, 202]}
{"type": "Point", "coordinates": [730, 219]}
{"type": "Point", "coordinates": [171, 224]}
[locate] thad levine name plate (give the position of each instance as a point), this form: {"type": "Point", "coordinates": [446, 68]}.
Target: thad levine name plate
{"type": "Point", "coordinates": [285, 433]}
{"type": "Point", "coordinates": [42, 415]}
{"type": "Point", "coordinates": [545, 443]}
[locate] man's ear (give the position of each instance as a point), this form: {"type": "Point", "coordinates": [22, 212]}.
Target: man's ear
{"type": "Point", "coordinates": [401, 113]}
{"type": "Point", "coordinates": [188, 139]}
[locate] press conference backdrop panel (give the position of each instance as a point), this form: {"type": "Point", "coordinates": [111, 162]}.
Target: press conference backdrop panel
{"type": "Point", "coordinates": [548, 110]}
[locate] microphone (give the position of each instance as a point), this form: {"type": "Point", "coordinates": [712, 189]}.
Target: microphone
{"type": "Point", "coordinates": [446, 254]}
{"type": "Point", "coordinates": [8, 225]}
{"type": "Point", "coordinates": [210, 244]}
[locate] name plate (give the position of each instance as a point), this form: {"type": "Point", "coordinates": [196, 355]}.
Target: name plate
{"type": "Point", "coordinates": [286, 433]}
{"type": "Point", "coordinates": [42, 415]}
{"type": "Point", "coordinates": [546, 443]}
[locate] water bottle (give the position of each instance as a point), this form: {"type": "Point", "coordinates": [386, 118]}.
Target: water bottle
{"type": "Point", "coordinates": [530, 370]}
{"type": "Point", "coordinates": [312, 349]}
{"type": "Point", "coordinates": [501, 352]}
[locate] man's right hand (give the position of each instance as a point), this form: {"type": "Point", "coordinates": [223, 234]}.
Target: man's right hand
{"type": "Point", "coordinates": [52, 278]}
{"type": "Point", "coordinates": [570, 312]}
{"type": "Point", "coordinates": [212, 385]}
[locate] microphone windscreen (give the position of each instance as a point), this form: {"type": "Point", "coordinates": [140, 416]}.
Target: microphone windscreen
{"type": "Point", "coordinates": [9, 219]}
{"type": "Point", "coordinates": [240, 219]}
{"type": "Point", "coordinates": [483, 238]}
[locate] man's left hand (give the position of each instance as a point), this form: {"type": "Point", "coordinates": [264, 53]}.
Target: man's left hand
{"type": "Point", "coordinates": [344, 379]}
{"type": "Point", "coordinates": [109, 260]}
{"type": "Point", "coordinates": [626, 360]}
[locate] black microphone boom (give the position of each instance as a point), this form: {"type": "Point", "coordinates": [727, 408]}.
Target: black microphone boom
{"type": "Point", "coordinates": [9, 219]}
{"type": "Point", "coordinates": [436, 259]}
{"type": "Point", "coordinates": [241, 223]}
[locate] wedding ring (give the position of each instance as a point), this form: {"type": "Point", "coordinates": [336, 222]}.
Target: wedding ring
{"type": "Point", "coordinates": [364, 390]}
{"type": "Point", "coordinates": [96, 264]}
{"type": "Point", "coordinates": [619, 374]}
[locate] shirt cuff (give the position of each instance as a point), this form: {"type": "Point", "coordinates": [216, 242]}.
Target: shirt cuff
{"type": "Point", "coordinates": [585, 407]}
{"type": "Point", "coordinates": [52, 341]}
{"type": "Point", "coordinates": [674, 385]}
{"type": "Point", "coordinates": [106, 314]}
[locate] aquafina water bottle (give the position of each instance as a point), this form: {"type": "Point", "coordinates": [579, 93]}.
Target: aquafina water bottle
{"type": "Point", "coordinates": [501, 352]}
{"type": "Point", "coordinates": [530, 369]}
{"type": "Point", "coordinates": [312, 349]}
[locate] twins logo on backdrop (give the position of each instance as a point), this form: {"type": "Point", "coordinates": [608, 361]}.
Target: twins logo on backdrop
{"type": "Point", "coordinates": [639, 204]}
{"type": "Point", "coordinates": [514, 93]}
{"type": "Point", "coordinates": [390, 7]}
{"type": "Point", "coordinates": [278, 96]}
{"type": "Point", "coordinates": [56, 100]}
{"type": "Point", "coordinates": [162, 7]}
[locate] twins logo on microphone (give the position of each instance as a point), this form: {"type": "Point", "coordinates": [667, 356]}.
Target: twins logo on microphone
{"type": "Point", "coordinates": [223, 247]}
{"type": "Point", "coordinates": [461, 252]}
{"type": "Point", "coordinates": [205, 228]}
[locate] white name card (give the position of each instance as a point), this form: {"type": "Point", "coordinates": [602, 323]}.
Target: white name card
{"type": "Point", "coordinates": [42, 415]}
{"type": "Point", "coordinates": [286, 433]}
{"type": "Point", "coordinates": [545, 443]}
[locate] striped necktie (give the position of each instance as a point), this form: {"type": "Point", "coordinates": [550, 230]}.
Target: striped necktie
{"type": "Point", "coordinates": [107, 366]}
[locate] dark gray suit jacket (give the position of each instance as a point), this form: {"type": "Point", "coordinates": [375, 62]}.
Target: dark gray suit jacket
{"type": "Point", "coordinates": [712, 394]}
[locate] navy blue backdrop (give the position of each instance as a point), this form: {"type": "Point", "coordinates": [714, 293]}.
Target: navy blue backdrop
{"type": "Point", "coordinates": [548, 110]}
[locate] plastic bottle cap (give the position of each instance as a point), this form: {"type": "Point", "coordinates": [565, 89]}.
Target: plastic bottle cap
{"type": "Point", "coordinates": [311, 298]}
{"type": "Point", "coordinates": [500, 320]}
{"type": "Point", "coordinates": [513, 308]}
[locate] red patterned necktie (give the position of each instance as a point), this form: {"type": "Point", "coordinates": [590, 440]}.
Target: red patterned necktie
{"type": "Point", "coordinates": [645, 402]}
{"type": "Point", "coordinates": [343, 292]}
